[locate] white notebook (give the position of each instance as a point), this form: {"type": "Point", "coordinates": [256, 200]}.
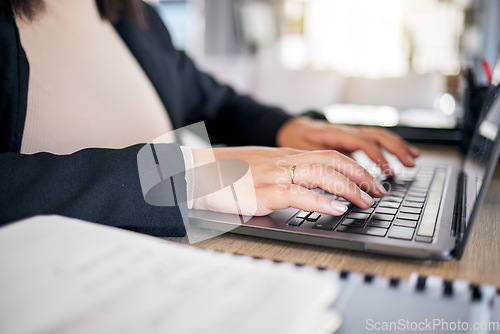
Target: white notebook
{"type": "Point", "coordinates": [61, 275]}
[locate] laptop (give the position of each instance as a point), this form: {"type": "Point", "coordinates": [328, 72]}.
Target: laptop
{"type": "Point", "coordinates": [428, 212]}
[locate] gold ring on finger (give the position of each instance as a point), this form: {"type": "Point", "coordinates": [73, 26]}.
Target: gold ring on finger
{"type": "Point", "coordinates": [292, 173]}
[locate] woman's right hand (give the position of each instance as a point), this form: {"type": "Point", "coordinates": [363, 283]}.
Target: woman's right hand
{"type": "Point", "coordinates": [267, 185]}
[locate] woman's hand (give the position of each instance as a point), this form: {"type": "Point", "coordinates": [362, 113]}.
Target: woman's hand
{"type": "Point", "coordinates": [268, 185]}
{"type": "Point", "coordinates": [304, 133]}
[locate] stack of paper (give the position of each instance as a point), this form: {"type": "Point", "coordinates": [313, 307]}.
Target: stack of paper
{"type": "Point", "coordinates": [60, 275]}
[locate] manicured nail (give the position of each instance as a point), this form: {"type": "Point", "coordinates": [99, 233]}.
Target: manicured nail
{"type": "Point", "coordinates": [388, 171]}
{"type": "Point", "coordinates": [367, 198]}
{"type": "Point", "coordinates": [380, 188]}
{"type": "Point", "coordinates": [338, 208]}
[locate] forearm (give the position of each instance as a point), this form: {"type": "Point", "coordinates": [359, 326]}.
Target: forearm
{"type": "Point", "coordinates": [98, 185]}
{"type": "Point", "coordinates": [247, 122]}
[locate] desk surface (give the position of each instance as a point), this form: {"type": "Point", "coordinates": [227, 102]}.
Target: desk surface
{"type": "Point", "coordinates": [480, 263]}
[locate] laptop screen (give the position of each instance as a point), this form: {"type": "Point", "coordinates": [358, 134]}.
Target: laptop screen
{"type": "Point", "coordinates": [482, 156]}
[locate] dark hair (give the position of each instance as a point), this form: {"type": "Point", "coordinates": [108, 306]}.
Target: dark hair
{"type": "Point", "coordinates": [109, 9]}
{"type": "Point", "coordinates": [27, 8]}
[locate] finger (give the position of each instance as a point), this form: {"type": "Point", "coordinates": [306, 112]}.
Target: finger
{"type": "Point", "coordinates": [314, 166]}
{"type": "Point", "coordinates": [353, 141]}
{"type": "Point", "coordinates": [414, 151]}
{"type": "Point", "coordinates": [394, 144]}
{"type": "Point", "coordinates": [375, 154]}
{"type": "Point", "coordinates": [281, 196]}
{"type": "Point", "coordinates": [398, 149]}
{"type": "Point", "coordinates": [330, 180]}
{"type": "Point", "coordinates": [306, 145]}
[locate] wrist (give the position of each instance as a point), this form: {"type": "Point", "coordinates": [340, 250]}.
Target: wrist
{"type": "Point", "coordinates": [290, 129]}
{"type": "Point", "coordinates": [203, 177]}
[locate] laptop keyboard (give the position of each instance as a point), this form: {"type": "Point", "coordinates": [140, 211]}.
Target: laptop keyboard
{"type": "Point", "coordinates": [408, 211]}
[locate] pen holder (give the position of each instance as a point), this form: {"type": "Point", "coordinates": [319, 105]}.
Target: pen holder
{"type": "Point", "coordinates": [473, 102]}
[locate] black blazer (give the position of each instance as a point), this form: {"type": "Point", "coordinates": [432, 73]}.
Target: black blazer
{"type": "Point", "coordinates": [102, 185]}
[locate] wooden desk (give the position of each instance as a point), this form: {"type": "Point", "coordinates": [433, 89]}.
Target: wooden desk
{"type": "Point", "coordinates": [480, 263]}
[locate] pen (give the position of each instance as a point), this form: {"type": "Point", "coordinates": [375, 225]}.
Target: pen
{"type": "Point", "coordinates": [486, 69]}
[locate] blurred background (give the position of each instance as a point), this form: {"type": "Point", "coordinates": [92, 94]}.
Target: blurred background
{"type": "Point", "coordinates": [312, 54]}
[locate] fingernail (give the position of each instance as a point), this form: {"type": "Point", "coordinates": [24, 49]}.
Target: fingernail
{"type": "Point", "coordinates": [389, 172]}
{"type": "Point", "coordinates": [338, 208]}
{"type": "Point", "coordinates": [380, 188]}
{"type": "Point", "coordinates": [367, 198]}
{"type": "Point", "coordinates": [411, 160]}
{"type": "Point", "coordinates": [415, 151]}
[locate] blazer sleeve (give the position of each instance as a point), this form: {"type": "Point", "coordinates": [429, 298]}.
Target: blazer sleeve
{"type": "Point", "coordinates": [191, 95]}
{"type": "Point", "coordinates": [97, 185]}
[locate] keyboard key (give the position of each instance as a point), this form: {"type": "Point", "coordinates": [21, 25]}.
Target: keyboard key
{"type": "Point", "coordinates": [407, 223]}
{"type": "Point", "coordinates": [420, 186]}
{"type": "Point", "coordinates": [397, 193]}
{"type": "Point", "coordinates": [409, 216]}
{"type": "Point", "coordinates": [358, 215]}
{"type": "Point", "coordinates": [409, 209]}
{"type": "Point", "coordinates": [403, 179]}
{"type": "Point", "coordinates": [381, 216]}
{"type": "Point", "coordinates": [389, 198]}
{"type": "Point", "coordinates": [400, 232]}
{"type": "Point", "coordinates": [356, 209]}
{"type": "Point", "coordinates": [302, 214]}
{"type": "Point", "coordinates": [415, 199]}
{"type": "Point", "coordinates": [343, 201]}
{"type": "Point", "coordinates": [353, 222]}
{"type": "Point", "coordinates": [421, 238]}
{"type": "Point", "coordinates": [413, 204]}
{"type": "Point", "coordinates": [375, 231]}
{"type": "Point", "coordinates": [390, 211]}
{"type": "Point", "coordinates": [414, 193]}
{"type": "Point", "coordinates": [427, 176]}
{"type": "Point", "coordinates": [296, 222]}
{"type": "Point", "coordinates": [327, 223]}
{"type": "Point", "coordinates": [419, 189]}
{"type": "Point", "coordinates": [401, 182]}
{"type": "Point", "coordinates": [314, 216]}
{"type": "Point", "coordinates": [379, 223]}
{"type": "Point", "coordinates": [385, 204]}
{"type": "Point", "coordinates": [428, 222]}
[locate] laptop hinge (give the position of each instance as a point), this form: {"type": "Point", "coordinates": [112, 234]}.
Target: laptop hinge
{"type": "Point", "coordinates": [459, 216]}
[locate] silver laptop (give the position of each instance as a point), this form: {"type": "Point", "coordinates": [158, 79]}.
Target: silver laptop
{"type": "Point", "coordinates": [427, 212]}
